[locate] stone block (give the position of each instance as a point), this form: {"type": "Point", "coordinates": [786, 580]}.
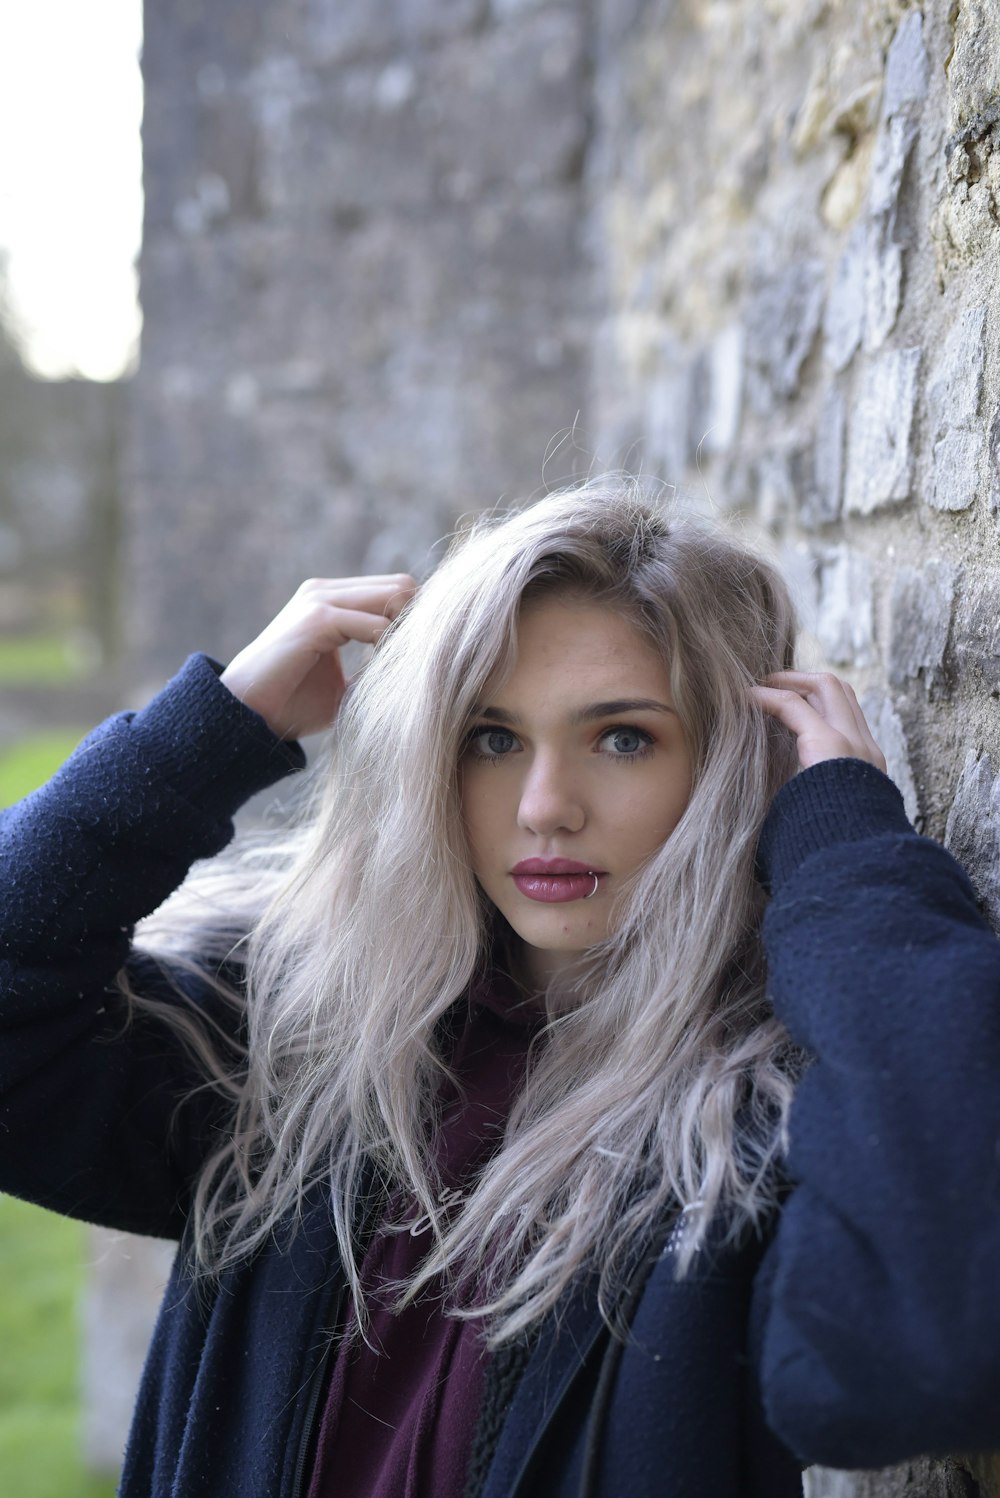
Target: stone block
{"type": "Point", "coordinates": [667, 417]}
{"type": "Point", "coordinates": [955, 384]}
{"type": "Point", "coordinates": [844, 318]}
{"type": "Point", "coordinates": [955, 471]}
{"type": "Point", "coordinates": [879, 456]}
{"type": "Point", "coordinates": [845, 617]}
{"type": "Point", "coordinates": [954, 395]}
{"type": "Point", "coordinates": [783, 319]}
{"type": "Point", "coordinates": [889, 734]}
{"type": "Point", "coordinates": [963, 226]}
{"type": "Point", "coordinates": [906, 67]}
{"type": "Point", "coordinates": [920, 608]}
{"type": "Point", "coordinates": [883, 284]}
{"type": "Point", "coordinates": [724, 389]}
{"type": "Point", "coordinates": [972, 831]}
{"type": "Point", "coordinates": [905, 87]}
{"type": "Point", "coordinates": [780, 483]}
{"type": "Point", "coordinates": [973, 68]}
{"type": "Point", "coordinates": [822, 500]}
{"type": "Point", "coordinates": [892, 152]}
{"type": "Point", "coordinates": [977, 635]}
{"type": "Point", "coordinates": [799, 569]}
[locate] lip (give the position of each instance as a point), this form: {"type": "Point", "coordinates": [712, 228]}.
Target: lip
{"type": "Point", "coordinates": [551, 866]}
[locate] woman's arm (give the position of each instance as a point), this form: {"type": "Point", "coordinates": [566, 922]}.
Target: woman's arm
{"type": "Point", "coordinates": [88, 1107]}
{"type": "Point", "coordinates": [877, 1310]}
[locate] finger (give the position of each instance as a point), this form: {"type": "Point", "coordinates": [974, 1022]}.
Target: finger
{"type": "Point", "coordinates": [332, 626]}
{"type": "Point", "coordinates": [817, 738]}
{"type": "Point", "coordinates": [836, 699]}
{"type": "Point", "coordinates": [826, 693]}
{"type": "Point", "coordinates": [373, 592]}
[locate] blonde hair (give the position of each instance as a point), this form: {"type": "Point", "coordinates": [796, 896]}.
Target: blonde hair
{"type": "Point", "coordinates": [664, 1087]}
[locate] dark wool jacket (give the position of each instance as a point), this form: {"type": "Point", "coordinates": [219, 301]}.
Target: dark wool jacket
{"type": "Point", "coordinates": [865, 1329]}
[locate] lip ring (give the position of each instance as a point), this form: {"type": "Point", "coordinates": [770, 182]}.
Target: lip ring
{"type": "Point", "coordinates": [593, 892]}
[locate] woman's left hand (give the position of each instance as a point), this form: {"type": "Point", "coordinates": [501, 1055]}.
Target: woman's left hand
{"type": "Point", "coordinates": [823, 713]}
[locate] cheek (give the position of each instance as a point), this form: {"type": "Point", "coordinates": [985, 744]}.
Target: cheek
{"type": "Point", "coordinates": [480, 809]}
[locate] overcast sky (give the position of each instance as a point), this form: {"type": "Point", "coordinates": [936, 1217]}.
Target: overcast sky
{"type": "Point", "coordinates": [71, 180]}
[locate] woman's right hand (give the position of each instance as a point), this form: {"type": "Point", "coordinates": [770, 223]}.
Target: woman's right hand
{"type": "Point", "coordinates": [291, 673]}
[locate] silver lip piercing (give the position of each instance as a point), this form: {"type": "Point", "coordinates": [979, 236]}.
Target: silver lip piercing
{"type": "Point", "coordinates": [593, 892]}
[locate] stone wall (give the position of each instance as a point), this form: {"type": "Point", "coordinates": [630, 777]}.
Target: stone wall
{"type": "Point", "coordinates": [797, 240]}
{"type": "Point", "coordinates": [796, 229]}
{"type": "Point", "coordinates": [363, 289]}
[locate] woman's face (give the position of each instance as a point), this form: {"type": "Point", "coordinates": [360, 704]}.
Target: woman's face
{"type": "Point", "coordinates": [576, 767]}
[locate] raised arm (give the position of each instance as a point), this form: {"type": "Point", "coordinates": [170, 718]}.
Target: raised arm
{"type": "Point", "coordinates": [876, 1312]}
{"type": "Point", "coordinates": [88, 1107]}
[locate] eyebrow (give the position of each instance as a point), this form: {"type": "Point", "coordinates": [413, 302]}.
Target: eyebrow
{"type": "Point", "coordinates": [590, 714]}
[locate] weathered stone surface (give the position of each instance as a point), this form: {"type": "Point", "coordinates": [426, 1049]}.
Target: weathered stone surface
{"type": "Point", "coordinates": [337, 32]}
{"type": "Point", "coordinates": [964, 224]}
{"type": "Point", "coordinates": [783, 319]}
{"type": "Point", "coordinates": [973, 65]}
{"type": "Point", "coordinates": [906, 66]}
{"type": "Point", "coordinates": [977, 636]}
{"type": "Point", "coordinates": [973, 829]}
{"type": "Point", "coordinates": [845, 623]}
{"type": "Point", "coordinates": [883, 283]}
{"type": "Point", "coordinates": [888, 732]}
{"type": "Point", "coordinates": [993, 467]}
{"type": "Point", "coordinates": [783, 477]}
{"type": "Point", "coordinates": [954, 393]}
{"type": "Point", "coordinates": [917, 1479]}
{"type": "Point", "coordinates": [800, 570]}
{"type": "Point", "coordinates": [883, 256]}
{"type": "Point", "coordinates": [955, 472]}
{"type": "Point", "coordinates": [844, 318]}
{"type": "Point", "coordinates": [724, 367]}
{"type": "Point", "coordinates": [667, 416]}
{"type": "Point", "coordinates": [920, 610]}
{"type": "Point", "coordinates": [821, 503]}
{"type": "Point", "coordinates": [879, 456]}
{"type": "Point", "coordinates": [955, 383]}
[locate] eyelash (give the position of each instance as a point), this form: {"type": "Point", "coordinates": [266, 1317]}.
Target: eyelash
{"type": "Point", "coordinates": [485, 757]}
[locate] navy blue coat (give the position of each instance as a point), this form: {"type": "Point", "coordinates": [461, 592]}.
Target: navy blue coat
{"type": "Point", "coordinates": [862, 1329]}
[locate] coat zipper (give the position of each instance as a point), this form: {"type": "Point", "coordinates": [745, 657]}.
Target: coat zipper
{"type": "Point", "coordinates": [334, 1308]}
{"type": "Point", "coordinates": [317, 1383]}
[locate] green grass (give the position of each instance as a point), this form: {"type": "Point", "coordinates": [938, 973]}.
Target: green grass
{"type": "Point", "coordinates": [30, 762]}
{"type": "Point", "coordinates": [41, 1277]}
{"type": "Point", "coordinates": [42, 1259]}
{"type": "Point", "coordinates": [37, 660]}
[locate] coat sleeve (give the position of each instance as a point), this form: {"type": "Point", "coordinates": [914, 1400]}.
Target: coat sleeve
{"type": "Point", "coordinates": [876, 1314]}
{"type": "Point", "coordinates": [89, 1120]}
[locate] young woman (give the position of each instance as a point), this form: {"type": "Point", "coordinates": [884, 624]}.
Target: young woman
{"type": "Point", "coordinates": [471, 1101]}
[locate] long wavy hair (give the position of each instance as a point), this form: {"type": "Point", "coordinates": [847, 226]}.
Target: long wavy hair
{"type": "Point", "coordinates": [662, 1089]}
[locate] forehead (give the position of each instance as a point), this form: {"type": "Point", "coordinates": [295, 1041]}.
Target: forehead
{"type": "Point", "coordinates": [567, 645]}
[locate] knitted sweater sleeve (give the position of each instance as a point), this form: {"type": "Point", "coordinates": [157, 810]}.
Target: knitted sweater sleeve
{"type": "Point", "coordinates": [876, 1317]}
{"type": "Point", "coordinates": [89, 1120]}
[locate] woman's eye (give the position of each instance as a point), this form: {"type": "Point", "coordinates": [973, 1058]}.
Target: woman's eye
{"type": "Point", "coordinates": [491, 743]}
{"type": "Point", "coordinates": [626, 742]}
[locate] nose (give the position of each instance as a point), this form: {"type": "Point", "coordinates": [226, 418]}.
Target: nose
{"type": "Point", "coordinates": [550, 801]}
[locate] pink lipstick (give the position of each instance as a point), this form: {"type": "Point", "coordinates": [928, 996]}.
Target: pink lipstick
{"type": "Point", "coordinates": [555, 880]}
